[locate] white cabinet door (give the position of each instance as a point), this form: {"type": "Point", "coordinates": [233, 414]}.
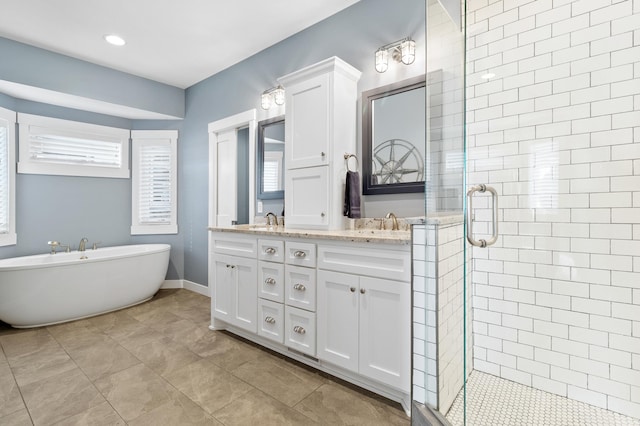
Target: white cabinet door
{"type": "Point", "coordinates": [337, 319]}
{"type": "Point", "coordinates": [385, 331]}
{"type": "Point", "coordinates": [226, 178]}
{"type": "Point", "coordinates": [307, 200]}
{"type": "Point", "coordinates": [307, 124]}
{"type": "Point", "coordinates": [235, 293]}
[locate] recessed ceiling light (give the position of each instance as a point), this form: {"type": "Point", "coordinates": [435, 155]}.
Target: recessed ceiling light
{"type": "Point", "coordinates": [487, 76]}
{"type": "Point", "coordinates": [114, 39]}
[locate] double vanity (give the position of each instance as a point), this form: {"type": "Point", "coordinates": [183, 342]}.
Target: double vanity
{"type": "Point", "coordinates": [339, 301]}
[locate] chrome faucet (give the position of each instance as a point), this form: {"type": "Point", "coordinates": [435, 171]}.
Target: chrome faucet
{"type": "Point", "coordinates": [82, 244]}
{"type": "Point", "coordinates": [269, 221]}
{"type": "Point", "coordinates": [55, 244]}
{"type": "Point", "coordinates": [391, 215]}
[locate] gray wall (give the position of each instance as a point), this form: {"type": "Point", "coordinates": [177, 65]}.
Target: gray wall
{"type": "Point", "coordinates": [69, 208]}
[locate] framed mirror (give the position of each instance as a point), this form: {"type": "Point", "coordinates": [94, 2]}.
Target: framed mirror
{"type": "Point", "coordinates": [270, 159]}
{"type": "Point", "coordinates": [393, 138]}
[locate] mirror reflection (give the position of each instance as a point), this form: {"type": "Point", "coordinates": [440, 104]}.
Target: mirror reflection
{"type": "Point", "coordinates": [393, 138]}
{"type": "Point", "coordinates": [270, 159]}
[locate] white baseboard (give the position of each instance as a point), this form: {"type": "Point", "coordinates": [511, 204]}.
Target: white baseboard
{"type": "Point", "coordinates": [196, 288]}
{"type": "Point", "coordinates": [187, 285]}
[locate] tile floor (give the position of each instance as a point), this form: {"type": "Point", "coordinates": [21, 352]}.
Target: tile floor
{"type": "Point", "coordinates": [492, 400]}
{"type": "Point", "coordinates": [158, 364]}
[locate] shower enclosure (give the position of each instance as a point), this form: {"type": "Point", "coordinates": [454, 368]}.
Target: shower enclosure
{"type": "Point", "coordinates": [527, 270]}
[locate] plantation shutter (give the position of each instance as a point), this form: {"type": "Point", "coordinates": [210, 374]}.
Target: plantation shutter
{"type": "Point", "coordinates": [154, 183]}
{"type": "Point", "coordinates": [4, 177]}
{"type": "Point", "coordinates": [47, 147]}
{"type": "Point", "coordinates": [154, 204]}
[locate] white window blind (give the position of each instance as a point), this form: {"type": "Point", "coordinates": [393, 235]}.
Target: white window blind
{"type": "Point", "coordinates": [272, 179]}
{"type": "Point", "coordinates": [154, 182]}
{"type": "Point", "coordinates": [7, 177]}
{"type": "Point", "coordinates": [62, 147]}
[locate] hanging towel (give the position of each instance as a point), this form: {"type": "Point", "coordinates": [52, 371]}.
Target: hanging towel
{"type": "Point", "coordinates": [352, 195]}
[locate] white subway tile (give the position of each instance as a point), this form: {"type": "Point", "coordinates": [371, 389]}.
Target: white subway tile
{"type": "Point", "coordinates": [591, 155]}
{"type": "Point", "coordinates": [625, 407]}
{"type": "Point", "coordinates": [517, 54]}
{"type": "Point", "coordinates": [535, 118]}
{"type": "Point", "coordinates": [535, 312]}
{"type": "Point", "coordinates": [593, 32]}
{"type": "Point", "coordinates": [590, 94]}
{"type": "Point", "coordinates": [543, 354]}
{"type": "Point", "coordinates": [501, 359]}
{"type": "Point", "coordinates": [553, 300]}
{"type": "Point", "coordinates": [550, 44]}
{"type": "Point", "coordinates": [626, 56]}
{"type": "Point", "coordinates": [628, 23]}
{"type": "Point", "coordinates": [534, 35]}
{"type": "Point", "coordinates": [502, 19]}
{"type": "Point", "coordinates": [572, 112]}
{"type": "Point", "coordinates": [551, 329]}
{"type": "Point", "coordinates": [547, 385]}
{"type": "Point", "coordinates": [589, 397]}
{"type": "Point", "coordinates": [609, 44]}
{"type": "Point", "coordinates": [591, 367]}
{"type": "Point", "coordinates": [533, 367]}
{"type": "Point", "coordinates": [570, 288]}
{"type": "Point", "coordinates": [568, 376]}
{"type": "Point", "coordinates": [519, 26]}
{"type": "Point", "coordinates": [504, 333]}
{"type": "Point", "coordinates": [591, 215]}
{"type": "Point", "coordinates": [611, 75]}
{"type": "Point", "coordinates": [612, 168]}
{"type": "Point", "coordinates": [610, 325]}
{"type": "Point", "coordinates": [612, 137]}
{"type": "Point", "coordinates": [517, 349]}
{"type": "Point", "coordinates": [535, 63]}
{"type": "Point", "coordinates": [619, 215]}
{"type": "Point", "coordinates": [590, 125]}
{"type": "Point", "coordinates": [624, 120]}
{"type": "Point", "coordinates": [626, 279]}
{"type": "Point", "coordinates": [569, 230]}
{"type": "Point", "coordinates": [488, 342]}
{"type": "Point", "coordinates": [592, 276]}
{"type": "Point", "coordinates": [553, 101]}
{"type": "Point", "coordinates": [570, 25]}
{"type": "Point", "coordinates": [486, 367]}
{"type": "Point", "coordinates": [575, 82]}
{"type": "Point", "coordinates": [487, 316]}
{"type": "Point", "coordinates": [597, 307]}
{"type": "Point", "coordinates": [588, 245]}
{"type": "Point", "coordinates": [583, 6]}
{"type": "Point", "coordinates": [591, 337]}
{"type": "Point", "coordinates": [554, 15]}
{"type": "Point", "coordinates": [501, 45]}
{"type": "Point", "coordinates": [554, 130]}
{"type": "Point", "coordinates": [571, 318]}
{"type": "Point", "coordinates": [535, 90]}
{"type": "Point", "coordinates": [625, 375]}
{"type": "Point", "coordinates": [611, 356]}
{"type": "Point", "coordinates": [625, 343]}
{"type": "Point", "coordinates": [565, 201]}
{"type": "Point", "coordinates": [612, 199]}
{"type": "Point", "coordinates": [612, 106]}
{"type": "Point", "coordinates": [611, 13]}
{"type": "Point", "coordinates": [503, 306]}
{"type": "Point", "coordinates": [515, 376]}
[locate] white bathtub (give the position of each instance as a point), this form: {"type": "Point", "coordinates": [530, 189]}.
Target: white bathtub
{"type": "Point", "coordinates": [51, 288]}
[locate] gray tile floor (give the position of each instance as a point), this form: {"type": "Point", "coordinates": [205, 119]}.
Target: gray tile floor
{"type": "Point", "coordinates": [492, 400]}
{"type": "Point", "coordinates": [158, 364]}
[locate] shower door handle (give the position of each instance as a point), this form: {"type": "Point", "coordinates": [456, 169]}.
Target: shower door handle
{"type": "Point", "coordinates": [494, 199]}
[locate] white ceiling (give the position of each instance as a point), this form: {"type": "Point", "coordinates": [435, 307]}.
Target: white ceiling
{"type": "Point", "coordinates": [174, 42]}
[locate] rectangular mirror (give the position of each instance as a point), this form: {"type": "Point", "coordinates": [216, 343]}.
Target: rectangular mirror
{"type": "Point", "coordinates": [270, 159]}
{"type": "Point", "coordinates": [393, 138]}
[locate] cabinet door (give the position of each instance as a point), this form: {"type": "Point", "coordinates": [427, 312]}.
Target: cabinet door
{"type": "Point", "coordinates": [271, 281]}
{"type": "Point", "coordinates": [337, 319]}
{"type": "Point", "coordinates": [307, 123]}
{"type": "Point", "coordinates": [385, 331]}
{"type": "Point", "coordinates": [307, 200]}
{"type": "Point", "coordinates": [221, 298]}
{"type": "Point", "coordinates": [245, 294]}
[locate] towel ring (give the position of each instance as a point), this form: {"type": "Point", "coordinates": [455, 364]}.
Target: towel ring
{"type": "Point", "coordinates": [346, 159]}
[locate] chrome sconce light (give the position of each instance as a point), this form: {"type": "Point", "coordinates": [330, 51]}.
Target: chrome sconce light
{"type": "Point", "coordinates": [401, 51]}
{"type": "Point", "coordinates": [272, 96]}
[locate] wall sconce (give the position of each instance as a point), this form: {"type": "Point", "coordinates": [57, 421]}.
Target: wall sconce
{"type": "Point", "coordinates": [275, 95]}
{"type": "Point", "coordinates": [401, 51]}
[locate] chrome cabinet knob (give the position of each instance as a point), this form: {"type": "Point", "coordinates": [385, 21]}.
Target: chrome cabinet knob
{"type": "Point", "coordinates": [270, 320]}
{"type": "Point", "coordinates": [322, 154]}
{"type": "Point", "coordinates": [352, 289]}
{"type": "Point", "coordinates": [299, 287]}
{"type": "Point", "coordinates": [299, 330]}
{"type": "Point", "coordinates": [270, 281]}
{"type": "Point", "coordinates": [362, 291]}
{"type": "Point", "coordinates": [322, 214]}
{"type": "Point", "coordinates": [299, 254]}
{"type": "Point", "coordinates": [270, 250]}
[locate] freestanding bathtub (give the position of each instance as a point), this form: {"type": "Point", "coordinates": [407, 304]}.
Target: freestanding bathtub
{"type": "Point", "coordinates": [47, 289]}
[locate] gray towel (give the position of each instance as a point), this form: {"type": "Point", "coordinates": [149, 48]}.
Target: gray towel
{"type": "Point", "coordinates": [352, 195]}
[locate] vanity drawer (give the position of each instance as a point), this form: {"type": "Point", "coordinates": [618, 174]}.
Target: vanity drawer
{"type": "Point", "coordinates": [271, 320]}
{"type": "Point", "coordinates": [271, 250]}
{"type": "Point", "coordinates": [271, 281]}
{"type": "Point", "coordinates": [301, 254]}
{"type": "Point", "coordinates": [300, 287]}
{"type": "Point", "coordinates": [378, 263]}
{"type": "Point", "coordinates": [235, 245]}
{"type": "Point", "coordinates": [300, 330]}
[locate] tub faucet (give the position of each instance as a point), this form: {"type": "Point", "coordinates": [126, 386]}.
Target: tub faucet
{"type": "Point", "coordinates": [82, 244]}
{"type": "Point", "coordinates": [391, 215]}
{"type": "Point", "coordinates": [269, 221]}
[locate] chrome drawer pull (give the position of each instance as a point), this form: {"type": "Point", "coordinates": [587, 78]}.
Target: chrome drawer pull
{"type": "Point", "coordinates": [270, 320]}
{"type": "Point", "coordinates": [299, 254]}
{"type": "Point", "coordinates": [362, 291]}
{"type": "Point", "coordinates": [270, 281]}
{"type": "Point", "coordinates": [299, 329]}
{"type": "Point", "coordinates": [352, 289]}
{"type": "Point", "coordinates": [299, 287]}
{"type": "Point", "coordinates": [270, 250]}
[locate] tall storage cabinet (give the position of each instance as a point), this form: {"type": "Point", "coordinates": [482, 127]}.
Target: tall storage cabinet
{"type": "Point", "coordinates": [320, 127]}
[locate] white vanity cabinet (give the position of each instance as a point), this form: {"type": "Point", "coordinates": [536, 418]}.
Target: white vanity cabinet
{"type": "Point", "coordinates": [320, 127]}
{"type": "Point", "coordinates": [363, 319]}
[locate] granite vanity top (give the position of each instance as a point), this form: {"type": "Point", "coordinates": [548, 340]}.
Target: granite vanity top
{"type": "Point", "coordinates": [361, 231]}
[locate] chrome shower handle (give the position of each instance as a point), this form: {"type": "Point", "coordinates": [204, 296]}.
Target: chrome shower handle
{"type": "Point", "coordinates": [494, 197]}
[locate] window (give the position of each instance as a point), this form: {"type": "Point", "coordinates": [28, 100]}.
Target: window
{"type": "Point", "coordinates": [272, 171]}
{"type": "Point", "coordinates": [154, 191]}
{"type": "Point", "coordinates": [7, 177]}
{"type": "Point", "coordinates": [52, 146]}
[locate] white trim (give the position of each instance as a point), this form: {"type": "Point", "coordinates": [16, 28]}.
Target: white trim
{"type": "Point", "coordinates": [237, 121]}
{"type": "Point", "coordinates": [28, 123]}
{"type": "Point", "coordinates": [187, 285]}
{"type": "Point", "coordinates": [11, 237]}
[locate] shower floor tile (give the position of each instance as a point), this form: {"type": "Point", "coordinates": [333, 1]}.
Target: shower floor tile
{"type": "Point", "coordinates": [492, 400]}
